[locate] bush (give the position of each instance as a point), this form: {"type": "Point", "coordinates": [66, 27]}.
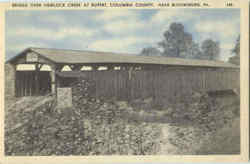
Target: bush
{"type": "Point", "coordinates": [91, 127]}
{"type": "Point", "coordinates": [104, 127]}
{"type": "Point", "coordinates": [200, 119]}
{"type": "Point", "coordinates": [224, 141]}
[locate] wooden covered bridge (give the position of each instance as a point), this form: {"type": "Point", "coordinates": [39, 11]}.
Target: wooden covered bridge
{"type": "Point", "coordinates": [118, 75]}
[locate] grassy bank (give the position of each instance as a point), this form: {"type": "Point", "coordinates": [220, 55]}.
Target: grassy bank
{"type": "Point", "coordinates": [193, 124]}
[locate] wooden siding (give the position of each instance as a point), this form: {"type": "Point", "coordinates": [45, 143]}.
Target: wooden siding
{"type": "Point", "coordinates": [160, 84]}
{"type": "Point", "coordinates": [9, 78]}
{"type": "Point", "coordinates": [26, 83]}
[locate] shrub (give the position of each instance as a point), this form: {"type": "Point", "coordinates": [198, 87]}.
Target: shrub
{"type": "Point", "coordinates": [91, 127]}
{"type": "Point", "coordinates": [201, 118]}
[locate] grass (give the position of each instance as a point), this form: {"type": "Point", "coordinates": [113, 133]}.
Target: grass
{"type": "Point", "coordinates": [224, 141]}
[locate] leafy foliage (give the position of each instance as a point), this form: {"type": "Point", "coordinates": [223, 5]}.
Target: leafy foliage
{"type": "Point", "coordinates": [176, 41]}
{"type": "Point", "coordinates": [201, 121]}
{"type": "Point", "coordinates": [92, 127]}
{"type": "Point", "coordinates": [179, 43]}
{"type": "Point", "coordinates": [236, 51]}
{"type": "Point", "coordinates": [107, 127]}
{"type": "Point", "coordinates": [210, 49]}
{"type": "Point", "coordinates": [236, 48]}
{"type": "Point", "coordinates": [150, 51]}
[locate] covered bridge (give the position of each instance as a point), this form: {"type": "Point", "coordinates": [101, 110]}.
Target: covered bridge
{"type": "Point", "coordinates": [39, 71]}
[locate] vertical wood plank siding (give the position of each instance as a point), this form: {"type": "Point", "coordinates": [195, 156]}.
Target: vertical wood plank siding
{"type": "Point", "coordinates": [125, 85]}
{"type": "Point", "coordinates": [160, 84]}
{"type": "Point", "coordinates": [25, 83]}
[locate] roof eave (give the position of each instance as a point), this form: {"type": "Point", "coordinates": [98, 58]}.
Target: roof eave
{"type": "Point", "coordinates": [30, 49]}
{"type": "Point", "coordinates": [12, 59]}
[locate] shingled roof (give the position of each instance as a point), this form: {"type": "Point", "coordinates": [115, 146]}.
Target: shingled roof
{"type": "Point", "coordinates": [62, 56]}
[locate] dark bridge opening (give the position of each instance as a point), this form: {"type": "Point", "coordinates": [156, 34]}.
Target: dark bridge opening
{"type": "Point", "coordinates": [28, 83]}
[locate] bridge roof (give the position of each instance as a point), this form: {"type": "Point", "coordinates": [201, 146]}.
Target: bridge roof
{"type": "Point", "coordinates": [63, 56]}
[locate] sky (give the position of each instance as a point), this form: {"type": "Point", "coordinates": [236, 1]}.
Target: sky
{"type": "Point", "coordinates": [116, 30]}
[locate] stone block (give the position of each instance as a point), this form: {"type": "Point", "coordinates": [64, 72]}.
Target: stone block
{"type": "Point", "coordinates": [64, 97]}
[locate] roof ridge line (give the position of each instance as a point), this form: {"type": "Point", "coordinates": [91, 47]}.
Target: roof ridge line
{"type": "Point", "coordinates": [86, 56]}
{"type": "Point", "coordinates": [127, 54]}
{"type": "Point", "coordinates": [33, 48]}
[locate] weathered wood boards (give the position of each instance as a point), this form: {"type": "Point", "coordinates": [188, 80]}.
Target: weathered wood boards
{"type": "Point", "coordinates": [137, 76]}
{"type": "Point", "coordinates": [26, 83]}
{"type": "Point", "coordinates": [159, 84]}
{"type": "Point", "coordinates": [127, 84]}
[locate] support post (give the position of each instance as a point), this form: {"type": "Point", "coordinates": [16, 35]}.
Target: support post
{"type": "Point", "coordinates": [94, 67]}
{"type": "Point", "coordinates": [14, 85]}
{"type": "Point", "coordinates": [53, 80]}
{"type": "Point", "coordinates": [110, 67]}
{"type": "Point", "coordinates": [37, 87]}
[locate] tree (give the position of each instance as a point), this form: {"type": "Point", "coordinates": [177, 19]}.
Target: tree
{"type": "Point", "coordinates": [236, 50]}
{"type": "Point", "coordinates": [176, 42]}
{"type": "Point", "coordinates": [150, 51]}
{"type": "Point", "coordinates": [194, 51]}
{"type": "Point", "coordinates": [210, 49]}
